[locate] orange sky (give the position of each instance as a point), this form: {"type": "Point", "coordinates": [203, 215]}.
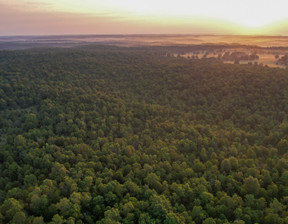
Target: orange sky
{"type": "Point", "coordinates": [48, 17]}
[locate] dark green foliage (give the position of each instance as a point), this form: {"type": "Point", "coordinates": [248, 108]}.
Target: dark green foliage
{"type": "Point", "coordinates": [123, 135]}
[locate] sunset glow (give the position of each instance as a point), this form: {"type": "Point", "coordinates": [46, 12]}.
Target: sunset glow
{"type": "Point", "coordinates": [127, 16]}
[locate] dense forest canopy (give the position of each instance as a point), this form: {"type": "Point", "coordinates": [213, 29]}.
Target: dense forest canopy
{"type": "Point", "coordinates": [129, 135]}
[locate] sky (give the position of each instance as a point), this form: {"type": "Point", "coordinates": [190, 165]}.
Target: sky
{"type": "Point", "coordinates": [57, 17]}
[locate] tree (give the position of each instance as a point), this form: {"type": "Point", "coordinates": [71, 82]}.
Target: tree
{"type": "Point", "coordinates": [10, 208]}
{"type": "Point", "coordinates": [39, 204]}
{"type": "Point", "coordinates": [209, 221]}
{"type": "Point", "coordinates": [172, 218]}
{"type": "Point", "coordinates": [251, 185]}
{"type": "Point", "coordinates": [153, 181]}
{"type": "Point", "coordinates": [19, 218]}
{"type": "Point", "coordinates": [30, 122]}
{"type": "Point", "coordinates": [20, 141]}
{"type": "Point", "coordinates": [198, 214]}
{"type": "Point", "coordinates": [38, 220]}
{"type": "Point", "coordinates": [57, 219]}
{"type": "Point", "coordinates": [225, 165]}
{"type": "Point", "coordinates": [127, 208]}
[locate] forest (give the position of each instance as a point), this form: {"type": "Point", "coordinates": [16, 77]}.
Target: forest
{"type": "Point", "coordinates": [102, 134]}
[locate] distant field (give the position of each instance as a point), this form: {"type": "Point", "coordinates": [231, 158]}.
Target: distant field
{"type": "Point", "coordinates": [265, 46]}
{"type": "Point", "coordinates": [140, 40]}
{"type": "Point", "coordinates": [265, 58]}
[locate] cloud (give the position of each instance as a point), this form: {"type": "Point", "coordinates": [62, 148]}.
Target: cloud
{"type": "Point", "coordinates": [22, 22]}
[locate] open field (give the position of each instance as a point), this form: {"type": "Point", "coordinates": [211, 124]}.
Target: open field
{"type": "Point", "coordinates": [266, 58]}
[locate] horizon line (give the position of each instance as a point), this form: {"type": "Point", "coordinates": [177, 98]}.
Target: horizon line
{"type": "Point", "coordinates": [144, 34]}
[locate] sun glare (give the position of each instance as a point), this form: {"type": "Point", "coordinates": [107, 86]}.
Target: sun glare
{"type": "Point", "coordinates": [252, 14]}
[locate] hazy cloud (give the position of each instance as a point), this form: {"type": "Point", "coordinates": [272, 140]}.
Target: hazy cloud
{"type": "Point", "coordinates": [25, 17]}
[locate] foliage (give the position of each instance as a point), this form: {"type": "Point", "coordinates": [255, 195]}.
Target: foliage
{"type": "Point", "coordinates": [129, 135]}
